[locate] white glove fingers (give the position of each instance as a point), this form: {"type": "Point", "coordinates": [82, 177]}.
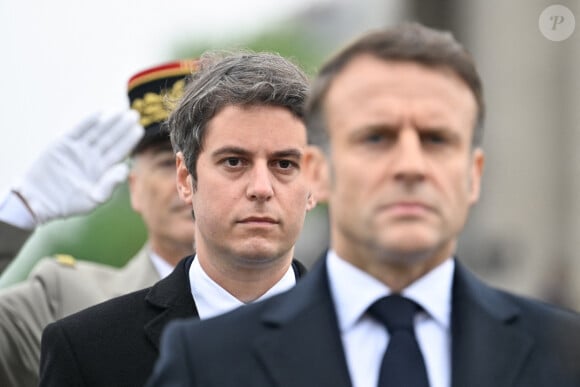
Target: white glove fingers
{"type": "Point", "coordinates": [81, 129]}
{"type": "Point", "coordinates": [103, 190]}
{"type": "Point", "coordinates": [121, 149]}
{"type": "Point", "coordinates": [66, 176]}
{"type": "Point", "coordinates": [107, 127]}
{"type": "Point", "coordinates": [121, 138]}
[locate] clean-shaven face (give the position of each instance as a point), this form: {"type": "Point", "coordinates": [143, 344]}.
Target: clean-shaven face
{"type": "Point", "coordinates": [403, 172]}
{"type": "Point", "coordinates": [154, 196]}
{"type": "Point", "coordinates": [251, 195]}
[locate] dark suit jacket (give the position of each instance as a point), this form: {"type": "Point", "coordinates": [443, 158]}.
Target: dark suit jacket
{"type": "Point", "coordinates": [291, 340]}
{"type": "Point", "coordinates": [116, 343]}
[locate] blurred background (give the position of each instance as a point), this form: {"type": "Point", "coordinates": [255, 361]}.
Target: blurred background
{"type": "Point", "coordinates": [64, 59]}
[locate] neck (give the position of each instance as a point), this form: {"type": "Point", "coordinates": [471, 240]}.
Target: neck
{"type": "Point", "coordinates": [398, 270]}
{"type": "Point", "coordinates": [171, 252]}
{"type": "Point", "coordinates": [399, 276]}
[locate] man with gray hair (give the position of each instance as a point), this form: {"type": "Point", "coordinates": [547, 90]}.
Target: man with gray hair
{"type": "Point", "coordinates": [241, 156]}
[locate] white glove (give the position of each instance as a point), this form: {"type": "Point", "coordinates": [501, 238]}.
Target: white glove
{"type": "Point", "coordinates": [81, 170]}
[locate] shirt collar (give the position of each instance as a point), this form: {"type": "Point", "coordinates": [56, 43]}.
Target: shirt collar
{"type": "Point", "coordinates": [162, 267]}
{"type": "Point", "coordinates": [432, 291]}
{"type": "Point", "coordinates": [212, 300]}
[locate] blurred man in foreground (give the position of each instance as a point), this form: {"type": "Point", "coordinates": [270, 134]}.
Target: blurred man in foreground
{"type": "Point", "coordinates": [398, 114]}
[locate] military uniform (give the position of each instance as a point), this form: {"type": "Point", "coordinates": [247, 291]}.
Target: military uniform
{"type": "Point", "coordinates": [11, 239]}
{"type": "Point", "coordinates": [57, 287]}
{"type": "Point", "coordinates": [60, 286]}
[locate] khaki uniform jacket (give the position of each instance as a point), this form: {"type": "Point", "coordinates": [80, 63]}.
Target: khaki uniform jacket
{"type": "Point", "coordinates": [55, 289]}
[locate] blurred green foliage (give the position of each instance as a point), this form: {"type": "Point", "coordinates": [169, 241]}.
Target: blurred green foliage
{"type": "Point", "coordinates": [286, 39]}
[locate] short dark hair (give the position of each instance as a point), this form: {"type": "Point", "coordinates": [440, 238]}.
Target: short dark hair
{"type": "Point", "coordinates": [243, 78]}
{"type": "Point", "coordinates": [406, 42]}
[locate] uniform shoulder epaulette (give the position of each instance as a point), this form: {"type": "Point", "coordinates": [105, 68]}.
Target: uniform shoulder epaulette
{"type": "Point", "coordinates": [65, 260]}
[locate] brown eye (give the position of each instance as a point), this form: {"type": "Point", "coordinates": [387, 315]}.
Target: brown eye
{"type": "Point", "coordinates": [375, 138]}
{"type": "Point", "coordinates": [433, 138]}
{"type": "Point", "coordinates": [232, 162]}
{"type": "Point", "coordinates": [285, 164]}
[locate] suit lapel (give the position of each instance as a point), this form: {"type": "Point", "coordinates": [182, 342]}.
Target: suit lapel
{"type": "Point", "coordinates": [170, 299]}
{"type": "Point", "coordinates": [486, 349]}
{"type": "Point", "coordinates": [302, 345]}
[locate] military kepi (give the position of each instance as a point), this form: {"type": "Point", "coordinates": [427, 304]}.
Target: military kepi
{"type": "Point", "coordinates": [152, 93]}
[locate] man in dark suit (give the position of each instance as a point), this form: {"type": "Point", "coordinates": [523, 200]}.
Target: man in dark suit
{"type": "Point", "coordinates": [241, 148]}
{"type": "Point", "coordinates": [398, 115]}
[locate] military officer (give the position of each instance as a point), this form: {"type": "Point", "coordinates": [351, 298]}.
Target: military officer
{"type": "Point", "coordinates": [74, 176]}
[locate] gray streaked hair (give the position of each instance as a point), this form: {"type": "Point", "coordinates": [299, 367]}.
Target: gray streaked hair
{"type": "Point", "coordinates": [243, 78]}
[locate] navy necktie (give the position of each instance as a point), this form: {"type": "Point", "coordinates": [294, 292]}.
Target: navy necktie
{"type": "Point", "coordinates": [403, 364]}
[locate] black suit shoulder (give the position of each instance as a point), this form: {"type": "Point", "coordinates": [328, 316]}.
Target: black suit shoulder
{"type": "Point", "coordinates": [531, 315]}
{"type": "Point", "coordinates": [552, 327]}
{"type": "Point", "coordinates": [542, 310]}
{"type": "Point", "coordinates": [517, 337]}
{"type": "Point", "coordinates": [115, 342]}
{"type": "Point", "coordinates": [498, 338]}
{"type": "Point", "coordinates": [196, 352]}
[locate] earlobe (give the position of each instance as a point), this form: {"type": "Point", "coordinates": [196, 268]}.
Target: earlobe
{"type": "Point", "coordinates": [183, 179]}
{"type": "Point", "coordinates": [133, 192]}
{"type": "Point", "coordinates": [310, 201]}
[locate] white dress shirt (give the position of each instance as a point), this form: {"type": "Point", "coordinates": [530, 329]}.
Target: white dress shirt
{"type": "Point", "coordinates": [14, 212]}
{"type": "Point", "coordinates": [212, 300]}
{"type": "Point", "coordinates": [162, 267]}
{"type": "Point", "coordinates": [365, 340]}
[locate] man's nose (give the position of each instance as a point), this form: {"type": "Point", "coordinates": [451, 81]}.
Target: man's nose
{"type": "Point", "coordinates": [260, 183]}
{"type": "Point", "coordinates": [409, 161]}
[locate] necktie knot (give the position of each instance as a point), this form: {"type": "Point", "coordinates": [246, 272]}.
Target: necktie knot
{"type": "Point", "coordinates": [395, 312]}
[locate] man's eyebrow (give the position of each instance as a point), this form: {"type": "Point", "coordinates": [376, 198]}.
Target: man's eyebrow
{"type": "Point", "coordinates": [238, 151]}
{"type": "Point", "coordinates": [230, 150]}
{"type": "Point", "coordinates": [288, 153]}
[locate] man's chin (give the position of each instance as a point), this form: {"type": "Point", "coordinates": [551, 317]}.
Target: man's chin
{"type": "Point", "coordinates": [185, 217]}
{"type": "Point", "coordinates": [258, 250]}
{"type": "Point", "coordinates": [410, 248]}
{"type": "Point", "coordinates": [183, 223]}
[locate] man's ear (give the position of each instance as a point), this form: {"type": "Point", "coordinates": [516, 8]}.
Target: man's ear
{"type": "Point", "coordinates": [310, 201]}
{"type": "Point", "coordinates": [134, 191]}
{"type": "Point", "coordinates": [183, 179]}
{"type": "Point", "coordinates": [476, 174]}
{"type": "Point", "coordinates": [317, 172]}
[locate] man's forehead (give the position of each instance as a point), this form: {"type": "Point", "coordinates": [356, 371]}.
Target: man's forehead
{"type": "Point", "coordinates": [255, 126]}
{"type": "Point", "coordinates": [162, 149]}
{"type": "Point", "coordinates": [159, 147]}
{"type": "Point", "coordinates": [234, 150]}
{"type": "Point", "coordinates": [367, 80]}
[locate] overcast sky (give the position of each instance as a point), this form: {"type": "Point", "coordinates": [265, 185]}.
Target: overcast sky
{"type": "Point", "coordinates": [63, 59]}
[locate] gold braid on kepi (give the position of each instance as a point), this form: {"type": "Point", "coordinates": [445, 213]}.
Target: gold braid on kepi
{"type": "Point", "coordinates": [153, 93]}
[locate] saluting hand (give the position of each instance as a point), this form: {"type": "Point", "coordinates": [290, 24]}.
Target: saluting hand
{"type": "Point", "coordinates": [80, 170]}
